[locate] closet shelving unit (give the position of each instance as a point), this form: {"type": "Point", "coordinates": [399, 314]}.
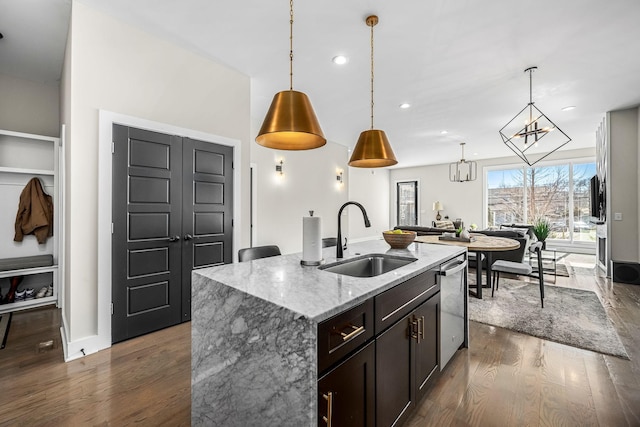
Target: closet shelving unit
{"type": "Point", "coordinates": [22, 157]}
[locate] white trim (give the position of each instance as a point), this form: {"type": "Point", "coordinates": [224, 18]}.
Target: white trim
{"type": "Point", "coordinates": [395, 200]}
{"type": "Point", "coordinates": [106, 120]}
{"type": "Point", "coordinates": [254, 204]}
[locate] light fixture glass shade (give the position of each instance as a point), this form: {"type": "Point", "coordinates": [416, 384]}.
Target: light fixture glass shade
{"type": "Point", "coordinates": [291, 123]}
{"type": "Point", "coordinates": [372, 150]}
{"type": "Point", "coordinates": [437, 206]}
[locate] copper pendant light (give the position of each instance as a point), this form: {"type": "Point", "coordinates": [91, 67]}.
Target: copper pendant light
{"type": "Point", "coordinates": [372, 149]}
{"type": "Point", "coordinates": [290, 123]}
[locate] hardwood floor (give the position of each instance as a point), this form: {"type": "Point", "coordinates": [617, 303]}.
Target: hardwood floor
{"type": "Point", "coordinates": [503, 379]}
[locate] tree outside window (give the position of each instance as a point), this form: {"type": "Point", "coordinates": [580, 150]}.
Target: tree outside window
{"type": "Point", "coordinates": [559, 193]}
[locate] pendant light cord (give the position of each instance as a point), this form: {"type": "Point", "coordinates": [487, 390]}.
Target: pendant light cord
{"type": "Point", "coordinates": [290, 44]}
{"type": "Point", "coordinates": [372, 76]}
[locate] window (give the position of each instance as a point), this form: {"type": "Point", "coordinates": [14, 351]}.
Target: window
{"type": "Point", "coordinates": [407, 202]}
{"type": "Point", "coordinates": [558, 192]}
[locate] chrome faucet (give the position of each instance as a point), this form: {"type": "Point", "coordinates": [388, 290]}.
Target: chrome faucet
{"type": "Point", "coordinates": [366, 224]}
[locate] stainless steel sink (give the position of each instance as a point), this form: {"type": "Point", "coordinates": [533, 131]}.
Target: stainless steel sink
{"type": "Point", "coordinates": [368, 265]}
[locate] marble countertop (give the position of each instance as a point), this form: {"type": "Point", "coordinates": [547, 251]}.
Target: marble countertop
{"type": "Point", "coordinates": [316, 294]}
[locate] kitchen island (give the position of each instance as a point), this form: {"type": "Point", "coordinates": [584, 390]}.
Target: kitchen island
{"type": "Point", "coordinates": [255, 331]}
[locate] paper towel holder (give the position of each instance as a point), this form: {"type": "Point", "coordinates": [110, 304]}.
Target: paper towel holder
{"type": "Point", "coordinates": [311, 263]}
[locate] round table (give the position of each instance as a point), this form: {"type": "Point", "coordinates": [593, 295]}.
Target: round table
{"type": "Point", "coordinates": [481, 244]}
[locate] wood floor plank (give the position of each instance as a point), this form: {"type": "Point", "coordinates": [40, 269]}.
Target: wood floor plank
{"type": "Point", "coordinates": [503, 379]}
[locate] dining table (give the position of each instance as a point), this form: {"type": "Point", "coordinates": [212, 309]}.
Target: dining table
{"type": "Point", "coordinates": [480, 244]}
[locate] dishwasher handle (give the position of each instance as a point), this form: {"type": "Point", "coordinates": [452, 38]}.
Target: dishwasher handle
{"type": "Point", "coordinates": [453, 268]}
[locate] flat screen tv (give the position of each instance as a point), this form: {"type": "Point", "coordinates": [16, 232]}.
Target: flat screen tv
{"type": "Point", "coordinates": [595, 197]}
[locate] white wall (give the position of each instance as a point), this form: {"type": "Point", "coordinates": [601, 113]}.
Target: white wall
{"type": "Point", "coordinates": [369, 188]}
{"type": "Point", "coordinates": [113, 66]}
{"type": "Point", "coordinates": [623, 183]}
{"type": "Point", "coordinates": [29, 107]}
{"type": "Point", "coordinates": [459, 199]}
{"type": "Point", "coordinates": [308, 183]}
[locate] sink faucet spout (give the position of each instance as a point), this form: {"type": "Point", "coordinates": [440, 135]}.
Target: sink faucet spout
{"type": "Point", "coordinates": [339, 253]}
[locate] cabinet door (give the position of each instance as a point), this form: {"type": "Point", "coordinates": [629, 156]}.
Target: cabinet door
{"type": "Point", "coordinates": [395, 384]}
{"type": "Point", "coordinates": [346, 393]}
{"type": "Point", "coordinates": [426, 348]}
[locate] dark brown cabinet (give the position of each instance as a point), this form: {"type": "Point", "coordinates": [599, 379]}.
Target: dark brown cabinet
{"type": "Point", "coordinates": [346, 393]}
{"type": "Point", "coordinates": [406, 362]}
{"type": "Point", "coordinates": [377, 360]}
{"type": "Point", "coordinates": [427, 351]}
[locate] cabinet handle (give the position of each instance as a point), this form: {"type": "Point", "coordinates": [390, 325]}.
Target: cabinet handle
{"type": "Point", "coordinates": [356, 331]}
{"type": "Point", "coordinates": [417, 328]}
{"type": "Point", "coordinates": [188, 237]}
{"type": "Point", "coordinates": [329, 398]}
{"type": "Point", "coordinates": [414, 327]}
{"type": "Point", "coordinates": [174, 238]}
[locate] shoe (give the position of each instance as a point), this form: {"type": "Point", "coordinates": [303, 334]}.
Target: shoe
{"type": "Point", "coordinates": [20, 295]}
{"type": "Point", "coordinates": [29, 293]}
{"type": "Point", "coordinates": [49, 291]}
{"type": "Point", "coordinates": [42, 292]}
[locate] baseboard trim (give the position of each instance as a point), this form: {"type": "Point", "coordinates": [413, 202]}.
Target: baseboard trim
{"type": "Point", "coordinates": [76, 349]}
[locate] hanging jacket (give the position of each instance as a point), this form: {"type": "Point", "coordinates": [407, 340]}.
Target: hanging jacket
{"type": "Point", "coordinates": [35, 213]}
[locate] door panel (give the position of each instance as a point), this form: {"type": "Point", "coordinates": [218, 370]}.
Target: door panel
{"type": "Point", "coordinates": [146, 270]}
{"type": "Point", "coordinates": [148, 225]}
{"type": "Point", "coordinates": [352, 388]}
{"type": "Point", "coordinates": [394, 374]}
{"type": "Point", "coordinates": [207, 194]}
{"type": "Point", "coordinates": [150, 296]}
{"type": "Point", "coordinates": [427, 350]}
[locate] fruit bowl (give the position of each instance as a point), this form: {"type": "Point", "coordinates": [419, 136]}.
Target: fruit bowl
{"type": "Point", "coordinates": [399, 240]}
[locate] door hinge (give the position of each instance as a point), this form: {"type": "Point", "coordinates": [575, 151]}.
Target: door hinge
{"type": "Point", "coordinates": [111, 228]}
{"type": "Point", "coordinates": [231, 223]}
{"type": "Point", "coordinates": [232, 165]}
{"type": "Point", "coordinates": [113, 147]}
{"type": "Point", "coordinates": [112, 309]}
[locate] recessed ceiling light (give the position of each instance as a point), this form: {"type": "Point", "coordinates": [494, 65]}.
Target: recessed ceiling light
{"type": "Point", "coordinates": [568, 108]}
{"type": "Point", "coordinates": [444, 132]}
{"type": "Point", "coordinates": [404, 105]}
{"type": "Point", "coordinates": [340, 59]}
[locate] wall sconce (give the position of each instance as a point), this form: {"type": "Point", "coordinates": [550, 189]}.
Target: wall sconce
{"type": "Point", "coordinates": [339, 178]}
{"type": "Point", "coordinates": [279, 168]}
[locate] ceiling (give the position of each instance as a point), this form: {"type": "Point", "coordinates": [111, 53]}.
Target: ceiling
{"type": "Point", "coordinates": [459, 63]}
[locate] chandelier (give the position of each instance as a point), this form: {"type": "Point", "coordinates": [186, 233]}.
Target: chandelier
{"type": "Point", "coordinates": [463, 170]}
{"type": "Point", "coordinates": [531, 134]}
{"type": "Point", "coordinates": [291, 123]}
{"type": "Point", "coordinates": [372, 149]}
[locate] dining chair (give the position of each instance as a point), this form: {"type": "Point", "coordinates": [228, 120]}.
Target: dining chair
{"type": "Point", "coordinates": [329, 241]}
{"type": "Point", "coordinates": [521, 269]}
{"type": "Point", "coordinates": [249, 254]}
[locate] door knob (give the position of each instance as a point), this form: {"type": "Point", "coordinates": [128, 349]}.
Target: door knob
{"type": "Point", "coordinates": [174, 238]}
{"type": "Point", "coordinates": [188, 237]}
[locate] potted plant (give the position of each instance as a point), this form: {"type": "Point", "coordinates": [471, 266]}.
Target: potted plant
{"type": "Point", "coordinates": [542, 229]}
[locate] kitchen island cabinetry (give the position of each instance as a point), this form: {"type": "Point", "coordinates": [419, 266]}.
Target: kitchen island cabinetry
{"type": "Point", "coordinates": [346, 394]}
{"type": "Point", "coordinates": [263, 348]}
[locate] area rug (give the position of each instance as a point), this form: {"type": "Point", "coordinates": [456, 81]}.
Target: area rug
{"type": "Point", "coordinates": [5, 321]}
{"type": "Point", "coordinates": [570, 316]}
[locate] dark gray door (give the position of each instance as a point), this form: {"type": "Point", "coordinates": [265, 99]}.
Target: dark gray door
{"type": "Point", "coordinates": [172, 212]}
{"type": "Point", "coordinates": [207, 194]}
{"type": "Point", "coordinates": [147, 223]}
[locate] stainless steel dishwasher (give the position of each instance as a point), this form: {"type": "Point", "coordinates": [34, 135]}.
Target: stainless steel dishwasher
{"type": "Point", "coordinates": [454, 324]}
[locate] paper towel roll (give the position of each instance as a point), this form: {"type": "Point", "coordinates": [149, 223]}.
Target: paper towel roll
{"type": "Point", "coordinates": [311, 240]}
